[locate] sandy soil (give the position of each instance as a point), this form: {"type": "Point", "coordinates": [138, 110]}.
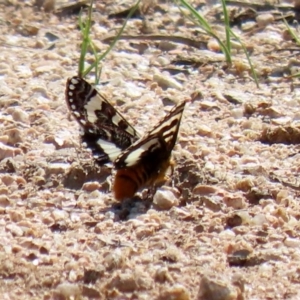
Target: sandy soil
{"type": "Point", "coordinates": [227, 227]}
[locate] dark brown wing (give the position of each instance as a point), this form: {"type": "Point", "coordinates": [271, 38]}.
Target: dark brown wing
{"type": "Point", "coordinates": [104, 130]}
{"type": "Point", "coordinates": [156, 146]}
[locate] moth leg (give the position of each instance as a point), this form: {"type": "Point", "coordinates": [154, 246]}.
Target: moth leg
{"type": "Point", "coordinates": [150, 192]}
{"type": "Point", "coordinates": [170, 172]}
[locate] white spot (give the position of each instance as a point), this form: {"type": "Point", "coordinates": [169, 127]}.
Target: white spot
{"type": "Point", "coordinates": [110, 149]}
{"type": "Point", "coordinates": [83, 122]}
{"type": "Point", "coordinates": [73, 107]}
{"type": "Point", "coordinates": [133, 157]}
{"type": "Point", "coordinates": [70, 100]}
{"type": "Point", "coordinates": [165, 123]}
{"type": "Point", "coordinates": [70, 94]}
{"type": "Point", "coordinates": [170, 136]}
{"type": "Point", "coordinates": [115, 120]}
{"type": "Point", "coordinates": [95, 103]}
{"type": "Point", "coordinates": [74, 80]}
{"type": "Point", "coordinates": [71, 87]}
{"type": "Point", "coordinates": [76, 113]}
{"type": "Point", "coordinates": [131, 131]}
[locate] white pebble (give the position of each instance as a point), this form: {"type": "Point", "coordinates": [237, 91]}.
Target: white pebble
{"type": "Point", "coordinates": [264, 19]}
{"type": "Point", "coordinates": [15, 229]}
{"type": "Point", "coordinates": [167, 82]}
{"type": "Point", "coordinates": [165, 199]}
{"type": "Point", "coordinates": [290, 242]}
{"type": "Point", "coordinates": [132, 90]}
{"type": "Point", "coordinates": [68, 290]}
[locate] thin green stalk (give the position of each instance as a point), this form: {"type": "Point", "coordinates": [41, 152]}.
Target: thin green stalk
{"type": "Point", "coordinates": [85, 29]}
{"type": "Point", "coordinates": [200, 21]}
{"type": "Point", "coordinates": [227, 25]}
{"type": "Point", "coordinates": [248, 57]}
{"type": "Point", "coordinates": [295, 37]}
{"type": "Point", "coordinates": [291, 32]}
{"type": "Point", "coordinates": [103, 55]}
{"type": "Point", "coordinates": [226, 48]}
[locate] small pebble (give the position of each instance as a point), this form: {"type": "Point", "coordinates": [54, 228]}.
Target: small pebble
{"type": "Point", "coordinates": [237, 202]}
{"type": "Point", "coordinates": [213, 289]}
{"type": "Point", "coordinates": [7, 180]}
{"type": "Point", "coordinates": [167, 46]}
{"type": "Point", "coordinates": [264, 19]}
{"type": "Point", "coordinates": [163, 61]}
{"type": "Point", "coordinates": [133, 91]}
{"type": "Point", "coordinates": [91, 186]}
{"type": "Point", "coordinates": [15, 216]}
{"type": "Point", "coordinates": [15, 136]}
{"type": "Point", "coordinates": [57, 168]}
{"type": "Point", "coordinates": [4, 201]}
{"type": "Point", "coordinates": [14, 229]}
{"type": "Point", "coordinates": [213, 45]}
{"type": "Point", "coordinates": [259, 219]}
{"type": "Point", "coordinates": [68, 290]}
{"type": "Point", "coordinates": [176, 292]}
{"type": "Point", "coordinates": [19, 115]}
{"type": "Point", "coordinates": [202, 189]}
{"type": "Point", "coordinates": [204, 130]}
{"type": "Point", "coordinates": [166, 82]}
{"type": "Point", "coordinates": [124, 283]}
{"type": "Point", "coordinates": [165, 199]}
{"type": "Point", "coordinates": [290, 242]}
{"type": "Point", "coordinates": [59, 215]}
{"type": "Point", "coordinates": [162, 275]}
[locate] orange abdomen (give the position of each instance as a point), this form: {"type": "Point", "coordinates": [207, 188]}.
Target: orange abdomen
{"type": "Point", "coordinates": [126, 183]}
{"type": "Point", "coordinates": [129, 180]}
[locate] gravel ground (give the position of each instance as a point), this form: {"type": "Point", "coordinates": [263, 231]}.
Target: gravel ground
{"type": "Point", "coordinates": [225, 227]}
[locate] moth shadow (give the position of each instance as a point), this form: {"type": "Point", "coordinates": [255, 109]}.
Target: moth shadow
{"type": "Point", "coordinates": [131, 208]}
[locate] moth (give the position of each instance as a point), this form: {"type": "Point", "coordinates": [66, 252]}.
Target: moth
{"type": "Point", "coordinates": [139, 161]}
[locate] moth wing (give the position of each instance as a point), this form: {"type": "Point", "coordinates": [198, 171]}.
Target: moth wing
{"type": "Point", "coordinates": [159, 142]}
{"type": "Point", "coordinates": [103, 129]}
